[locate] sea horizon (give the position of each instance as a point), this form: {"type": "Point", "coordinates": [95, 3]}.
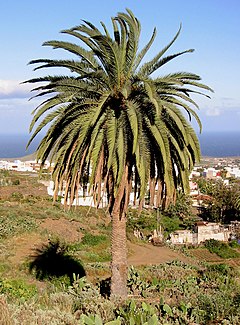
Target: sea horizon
{"type": "Point", "coordinates": [213, 144]}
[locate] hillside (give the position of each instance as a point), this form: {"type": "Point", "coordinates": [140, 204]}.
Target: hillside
{"type": "Point", "coordinates": [41, 246]}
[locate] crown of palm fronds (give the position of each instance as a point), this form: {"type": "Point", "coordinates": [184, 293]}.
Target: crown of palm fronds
{"type": "Point", "coordinates": [111, 120]}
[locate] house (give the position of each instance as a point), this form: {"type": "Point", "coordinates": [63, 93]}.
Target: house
{"type": "Point", "coordinates": [200, 200]}
{"type": "Point", "coordinates": [23, 166]}
{"type": "Point", "coordinates": [202, 231]}
{"type": "Point", "coordinates": [183, 237]}
{"type": "Point", "coordinates": [211, 230]}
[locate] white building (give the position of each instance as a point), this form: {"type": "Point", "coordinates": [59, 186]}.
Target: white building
{"type": "Point", "coordinates": [203, 231]}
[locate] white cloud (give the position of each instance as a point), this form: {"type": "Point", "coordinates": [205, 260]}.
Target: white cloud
{"type": "Point", "coordinates": [18, 104]}
{"type": "Point", "coordinates": [220, 106]}
{"type": "Point", "coordinates": [213, 111]}
{"type": "Point", "coordinates": [14, 89]}
{"type": "Point", "coordinates": [15, 114]}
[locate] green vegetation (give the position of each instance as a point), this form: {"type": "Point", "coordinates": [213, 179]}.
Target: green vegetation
{"type": "Point", "coordinates": [221, 249]}
{"type": "Point", "coordinates": [223, 206]}
{"type": "Point", "coordinates": [178, 216]}
{"type": "Point", "coordinates": [53, 260]}
{"type": "Point", "coordinates": [13, 224]}
{"type": "Point", "coordinates": [93, 240]}
{"type": "Point", "coordinates": [179, 294]}
{"type": "Point", "coordinates": [92, 248]}
{"type": "Point", "coordinates": [17, 289]}
{"type": "Point", "coordinates": [54, 292]}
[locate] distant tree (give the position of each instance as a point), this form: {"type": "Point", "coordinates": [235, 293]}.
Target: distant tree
{"type": "Point", "coordinates": [223, 173]}
{"type": "Point", "coordinates": [223, 207]}
{"type": "Point", "coordinates": [182, 208]}
{"type": "Point", "coordinates": [116, 123]}
{"type": "Point", "coordinates": [206, 186]}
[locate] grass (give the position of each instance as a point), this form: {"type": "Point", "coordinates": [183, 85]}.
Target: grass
{"type": "Point", "coordinates": [17, 289]}
{"type": "Point", "coordinates": [94, 240]}
{"type": "Point", "coordinates": [13, 224]}
{"type": "Point", "coordinates": [92, 248]}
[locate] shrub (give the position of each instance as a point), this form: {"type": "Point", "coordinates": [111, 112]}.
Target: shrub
{"type": "Point", "coordinates": [88, 300]}
{"type": "Point", "coordinates": [4, 312]}
{"type": "Point", "coordinates": [16, 182]}
{"type": "Point", "coordinates": [13, 224]}
{"type": "Point", "coordinates": [132, 313]}
{"type": "Point", "coordinates": [221, 249]}
{"type": "Point", "coordinates": [17, 289]}
{"type": "Point", "coordinates": [234, 244]}
{"type": "Point", "coordinates": [218, 306]}
{"type": "Point", "coordinates": [222, 268]}
{"type": "Point", "coordinates": [17, 196]}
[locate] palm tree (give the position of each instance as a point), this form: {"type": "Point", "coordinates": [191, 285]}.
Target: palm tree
{"type": "Point", "coordinates": [114, 123]}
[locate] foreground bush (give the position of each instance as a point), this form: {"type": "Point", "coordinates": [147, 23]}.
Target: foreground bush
{"type": "Point", "coordinates": [171, 293]}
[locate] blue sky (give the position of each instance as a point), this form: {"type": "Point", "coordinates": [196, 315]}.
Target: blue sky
{"type": "Point", "coordinates": [211, 27]}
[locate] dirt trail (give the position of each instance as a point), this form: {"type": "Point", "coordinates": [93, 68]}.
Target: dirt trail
{"type": "Point", "coordinates": [147, 254]}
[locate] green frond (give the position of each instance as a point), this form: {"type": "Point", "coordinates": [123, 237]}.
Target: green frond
{"type": "Point", "coordinates": [111, 135]}
{"type": "Point", "coordinates": [123, 44]}
{"type": "Point", "coordinates": [134, 122]}
{"type": "Point", "coordinates": [45, 106]}
{"type": "Point", "coordinates": [143, 52]}
{"type": "Point", "coordinates": [133, 34]}
{"type": "Point", "coordinates": [109, 58]}
{"type": "Point", "coordinates": [49, 118]}
{"type": "Point", "coordinates": [142, 166]}
{"type": "Point", "coordinates": [178, 121]}
{"type": "Point", "coordinates": [116, 31]}
{"type": "Point", "coordinates": [186, 107]}
{"type": "Point", "coordinates": [95, 155]}
{"type": "Point", "coordinates": [148, 65]}
{"type": "Point", "coordinates": [199, 85]}
{"type": "Point", "coordinates": [152, 95]}
{"type": "Point", "coordinates": [94, 134]}
{"type": "Point", "coordinates": [105, 29]}
{"type": "Point", "coordinates": [121, 155]}
{"type": "Point", "coordinates": [165, 60]}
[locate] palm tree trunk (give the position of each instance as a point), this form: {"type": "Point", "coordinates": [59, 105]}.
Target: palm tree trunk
{"type": "Point", "coordinates": [119, 240]}
{"type": "Point", "coordinates": [119, 256]}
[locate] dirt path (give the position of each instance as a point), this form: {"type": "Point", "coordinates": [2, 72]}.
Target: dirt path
{"type": "Point", "coordinates": [147, 254]}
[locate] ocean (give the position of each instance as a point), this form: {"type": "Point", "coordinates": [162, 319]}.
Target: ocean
{"type": "Point", "coordinates": [220, 144]}
{"type": "Point", "coordinates": [213, 144]}
{"type": "Point", "coordinates": [14, 145]}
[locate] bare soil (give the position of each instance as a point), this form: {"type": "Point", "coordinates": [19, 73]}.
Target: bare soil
{"type": "Point", "coordinates": [147, 254]}
{"type": "Point", "coordinates": [62, 228]}
{"type": "Point", "coordinates": [25, 188]}
{"type": "Point", "coordinates": [24, 246]}
{"type": "Point", "coordinates": [69, 230]}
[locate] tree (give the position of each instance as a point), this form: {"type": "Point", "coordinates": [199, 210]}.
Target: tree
{"type": "Point", "coordinates": [114, 122]}
{"type": "Point", "coordinates": [223, 207]}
